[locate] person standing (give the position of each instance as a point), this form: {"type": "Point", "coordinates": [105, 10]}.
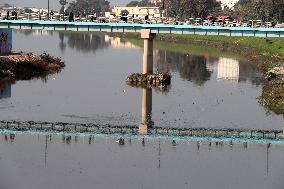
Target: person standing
{"type": "Point", "coordinates": [71, 17]}
{"type": "Point", "coordinates": [8, 15]}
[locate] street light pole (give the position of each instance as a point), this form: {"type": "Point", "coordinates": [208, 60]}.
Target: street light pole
{"type": "Point", "coordinates": [48, 9]}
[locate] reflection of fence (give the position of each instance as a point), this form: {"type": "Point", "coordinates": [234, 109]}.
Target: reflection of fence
{"type": "Point", "coordinates": [134, 130]}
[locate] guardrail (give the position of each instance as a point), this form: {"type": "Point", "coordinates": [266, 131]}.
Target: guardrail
{"type": "Point", "coordinates": [155, 28]}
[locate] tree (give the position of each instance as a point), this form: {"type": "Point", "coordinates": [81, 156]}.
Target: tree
{"type": "Point", "coordinates": [27, 10]}
{"type": "Point", "coordinates": [191, 8]}
{"type": "Point", "coordinates": [7, 5]}
{"type": "Point", "coordinates": [133, 4]}
{"type": "Point", "coordinates": [142, 3]}
{"type": "Point", "coordinates": [62, 3]}
{"type": "Point", "coordinates": [124, 12]}
{"type": "Point", "coordinates": [89, 6]}
{"type": "Point", "coordinates": [267, 10]}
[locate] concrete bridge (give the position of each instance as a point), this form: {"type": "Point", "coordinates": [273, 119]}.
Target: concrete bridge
{"type": "Point", "coordinates": [132, 28]}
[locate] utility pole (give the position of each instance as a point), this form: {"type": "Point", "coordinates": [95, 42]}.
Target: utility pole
{"type": "Point", "coordinates": [48, 9]}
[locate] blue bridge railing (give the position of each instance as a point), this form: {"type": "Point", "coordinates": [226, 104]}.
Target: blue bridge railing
{"type": "Point", "coordinates": [155, 28]}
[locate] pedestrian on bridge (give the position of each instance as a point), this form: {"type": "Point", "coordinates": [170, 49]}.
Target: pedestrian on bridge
{"type": "Point", "coordinates": [14, 15]}
{"type": "Point", "coordinates": [7, 15]}
{"type": "Point", "coordinates": [71, 17]}
{"type": "Point", "coordinates": [78, 17]}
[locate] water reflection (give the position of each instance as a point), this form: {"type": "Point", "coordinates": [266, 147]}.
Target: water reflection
{"type": "Point", "coordinates": [91, 139]}
{"type": "Point", "coordinates": [228, 69]}
{"type": "Point", "coordinates": [199, 69]}
{"type": "Point", "coordinates": [51, 161]}
{"type": "Point", "coordinates": [194, 68]}
{"type": "Point", "coordinates": [234, 70]}
{"type": "Point", "coordinates": [5, 89]}
{"type": "Point", "coordinates": [10, 137]}
{"type": "Point", "coordinates": [146, 111]}
{"type": "Point", "coordinates": [117, 42]}
{"type": "Point", "coordinates": [186, 104]}
{"type": "Point", "coordinates": [70, 140]}
{"type": "Point", "coordinates": [80, 41]}
{"type": "Point", "coordinates": [84, 42]}
{"type": "Point", "coordinates": [191, 68]}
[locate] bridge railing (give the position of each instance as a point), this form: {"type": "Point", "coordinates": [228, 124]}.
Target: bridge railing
{"type": "Point", "coordinates": [155, 28]}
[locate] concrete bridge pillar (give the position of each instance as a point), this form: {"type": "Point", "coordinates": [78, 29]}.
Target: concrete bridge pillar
{"type": "Point", "coordinates": [146, 111]}
{"type": "Point", "coordinates": [148, 50]}
{"type": "Point", "coordinates": [147, 93]}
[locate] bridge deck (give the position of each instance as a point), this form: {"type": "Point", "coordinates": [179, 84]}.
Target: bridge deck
{"type": "Point", "coordinates": [134, 130]}
{"type": "Point", "coordinates": [155, 28]}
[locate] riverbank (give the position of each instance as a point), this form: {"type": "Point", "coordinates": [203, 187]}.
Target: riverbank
{"type": "Point", "coordinates": [267, 53]}
{"type": "Point", "coordinates": [25, 66]}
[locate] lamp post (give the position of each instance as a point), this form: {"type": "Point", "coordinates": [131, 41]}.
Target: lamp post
{"type": "Point", "coordinates": [48, 9]}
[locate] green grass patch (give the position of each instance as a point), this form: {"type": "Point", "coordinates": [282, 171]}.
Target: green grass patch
{"type": "Point", "coordinates": [187, 48]}
{"type": "Point", "coordinates": [272, 46]}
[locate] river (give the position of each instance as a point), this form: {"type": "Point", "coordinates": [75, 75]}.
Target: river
{"type": "Point", "coordinates": [209, 89]}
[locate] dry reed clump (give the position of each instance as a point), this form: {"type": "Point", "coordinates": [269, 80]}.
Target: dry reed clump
{"type": "Point", "coordinates": [27, 66]}
{"type": "Point", "coordinates": [159, 81]}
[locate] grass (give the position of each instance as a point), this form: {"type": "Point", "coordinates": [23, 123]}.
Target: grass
{"type": "Point", "coordinates": [272, 46]}
{"type": "Point", "coordinates": [189, 48]}
{"type": "Point", "coordinates": [273, 95]}
{"type": "Point", "coordinates": [253, 48]}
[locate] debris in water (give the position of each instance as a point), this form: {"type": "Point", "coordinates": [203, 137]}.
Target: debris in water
{"type": "Point", "coordinates": [160, 80]}
{"type": "Point", "coordinates": [120, 141]}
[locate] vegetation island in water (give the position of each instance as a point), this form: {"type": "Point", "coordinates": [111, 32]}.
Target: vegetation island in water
{"type": "Point", "coordinates": [25, 66]}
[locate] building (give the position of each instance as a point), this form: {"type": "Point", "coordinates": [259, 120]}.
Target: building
{"type": "Point", "coordinates": [138, 12]}
{"type": "Point", "coordinates": [36, 10]}
{"type": "Point", "coordinates": [228, 3]}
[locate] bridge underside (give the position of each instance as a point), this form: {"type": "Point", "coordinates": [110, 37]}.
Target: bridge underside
{"type": "Point", "coordinates": [131, 28]}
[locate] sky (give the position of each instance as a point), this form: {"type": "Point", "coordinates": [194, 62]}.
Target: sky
{"type": "Point", "coordinates": [53, 3]}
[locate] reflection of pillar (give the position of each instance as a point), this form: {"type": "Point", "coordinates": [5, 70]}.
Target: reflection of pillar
{"type": "Point", "coordinates": [146, 111]}
{"type": "Point", "coordinates": [148, 50]}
